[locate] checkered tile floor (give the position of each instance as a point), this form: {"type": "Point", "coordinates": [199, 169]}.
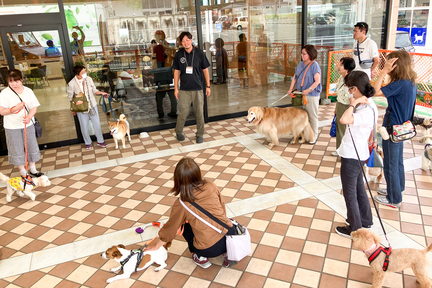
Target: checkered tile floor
{"type": "Point", "coordinates": [294, 244]}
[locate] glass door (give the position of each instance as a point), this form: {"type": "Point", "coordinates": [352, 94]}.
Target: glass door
{"type": "Point", "coordinates": [38, 54]}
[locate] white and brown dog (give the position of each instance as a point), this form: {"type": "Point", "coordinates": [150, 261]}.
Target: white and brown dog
{"type": "Point", "coordinates": [391, 260]}
{"type": "Point", "coordinates": [427, 156]}
{"type": "Point", "coordinates": [135, 260]}
{"type": "Point", "coordinates": [17, 184]}
{"type": "Point", "coordinates": [119, 130]}
{"type": "Point", "coordinates": [274, 122]}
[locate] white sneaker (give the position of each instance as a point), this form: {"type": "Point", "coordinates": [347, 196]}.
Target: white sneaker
{"type": "Point", "coordinates": [201, 261]}
{"type": "Point", "coordinates": [334, 153]}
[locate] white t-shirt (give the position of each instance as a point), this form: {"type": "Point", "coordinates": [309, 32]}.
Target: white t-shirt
{"type": "Point", "coordinates": [368, 50]}
{"type": "Point", "coordinates": [8, 99]}
{"type": "Point", "coordinates": [360, 130]}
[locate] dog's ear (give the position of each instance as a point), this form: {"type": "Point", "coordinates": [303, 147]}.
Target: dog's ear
{"type": "Point", "coordinates": [167, 245]}
{"type": "Point", "coordinates": [116, 254]}
{"type": "Point", "coordinates": [121, 246]}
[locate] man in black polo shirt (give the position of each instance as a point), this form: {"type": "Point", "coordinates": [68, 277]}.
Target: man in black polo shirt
{"type": "Point", "coordinates": [189, 65]}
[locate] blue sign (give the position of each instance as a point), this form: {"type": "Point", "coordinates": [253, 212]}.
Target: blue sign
{"type": "Point", "coordinates": [418, 35]}
{"type": "Point", "coordinates": [219, 27]}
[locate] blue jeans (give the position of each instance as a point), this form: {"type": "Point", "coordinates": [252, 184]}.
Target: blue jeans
{"type": "Point", "coordinates": [394, 171]}
{"type": "Point", "coordinates": [160, 64]}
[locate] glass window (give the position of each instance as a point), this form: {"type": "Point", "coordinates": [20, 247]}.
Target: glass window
{"type": "Point", "coordinates": [253, 47]}
{"type": "Point", "coordinates": [404, 19]}
{"type": "Point", "coordinates": [420, 18]}
{"type": "Point", "coordinates": [8, 7]}
{"type": "Point", "coordinates": [113, 39]}
{"type": "Point", "coordinates": [421, 3]}
{"type": "Point", "coordinates": [405, 3]}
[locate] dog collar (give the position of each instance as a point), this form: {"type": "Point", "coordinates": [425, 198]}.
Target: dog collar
{"type": "Point", "coordinates": [140, 253]}
{"type": "Point", "coordinates": [375, 254]}
{"type": "Point", "coordinates": [265, 108]}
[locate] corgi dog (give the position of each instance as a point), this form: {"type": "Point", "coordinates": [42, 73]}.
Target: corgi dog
{"type": "Point", "coordinates": [119, 130]}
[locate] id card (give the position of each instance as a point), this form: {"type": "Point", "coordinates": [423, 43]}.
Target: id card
{"type": "Point", "coordinates": [189, 70]}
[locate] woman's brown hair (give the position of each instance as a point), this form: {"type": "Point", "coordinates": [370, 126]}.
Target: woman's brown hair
{"type": "Point", "coordinates": [403, 70]}
{"type": "Point", "coordinates": [311, 51]}
{"type": "Point", "coordinates": [187, 178]}
{"type": "Point", "coordinates": [14, 75]}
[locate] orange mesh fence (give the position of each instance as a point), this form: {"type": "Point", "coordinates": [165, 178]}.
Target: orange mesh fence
{"type": "Point", "coordinates": [422, 64]}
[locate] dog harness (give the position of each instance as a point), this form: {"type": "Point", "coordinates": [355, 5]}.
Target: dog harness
{"type": "Point", "coordinates": [375, 254]}
{"type": "Point", "coordinates": [140, 254]}
{"type": "Point", "coordinates": [15, 182]}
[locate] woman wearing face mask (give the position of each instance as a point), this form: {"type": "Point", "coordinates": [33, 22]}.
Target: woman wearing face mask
{"type": "Point", "coordinates": [84, 84]}
{"type": "Point", "coordinates": [360, 118]}
{"type": "Point", "coordinates": [310, 71]}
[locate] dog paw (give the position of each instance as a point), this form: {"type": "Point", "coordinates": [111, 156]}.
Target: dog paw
{"type": "Point", "coordinates": [114, 269]}
{"type": "Point", "coordinates": [270, 145]}
{"type": "Point", "coordinates": [110, 280]}
{"type": "Point", "coordinates": [294, 142]}
{"type": "Point", "coordinates": [8, 199]}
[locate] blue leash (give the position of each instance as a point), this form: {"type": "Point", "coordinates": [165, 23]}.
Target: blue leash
{"type": "Point", "coordinates": [104, 105]}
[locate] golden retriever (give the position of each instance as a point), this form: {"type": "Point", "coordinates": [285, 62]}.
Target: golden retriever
{"type": "Point", "coordinates": [399, 259]}
{"type": "Point", "coordinates": [274, 122]}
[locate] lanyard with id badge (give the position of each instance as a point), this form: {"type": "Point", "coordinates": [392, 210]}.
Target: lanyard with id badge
{"type": "Point", "coordinates": [189, 69]}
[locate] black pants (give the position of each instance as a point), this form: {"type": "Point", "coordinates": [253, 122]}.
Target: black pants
{"type": "Point", "coordinates": [217, 249]}
{"type": "Point", "coordinates": [357, 202]}
{"type": "Point", "coordinates": [160, 95]}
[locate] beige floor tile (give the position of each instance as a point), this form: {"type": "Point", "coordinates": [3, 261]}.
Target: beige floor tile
{"type": "Point", "coordinates": [297, 232]}
{"type": "Point", "coordinates": [79, 184]}
{"type": "Point", "coordinates": [105, 209]}
{"type": "Point", "coordinates": [249, 187]}
{"type": "Point", "coordinates": [80, 228]}
{"type": "Point", "coordinates": [394, 280]}
{"type": "Point", "coordinates": [52, 221]}
{"type": "Point", "coordinates": [269, 182]}
{"type": "Point", "coordinates": [154, 198]}
{"type": "Point", "coordinates": [337, 268]}
{"type": "Point", "coordinates": [314, 248]}
{"type": "Point", "coordinates": [411, 218]}
{"type": "Point", "coordinates": [124, 283]}
{"type": "Point", "coordinates": [338, 240]}
{"type": "Point", "coordinates": [184, 265]}
{"type": "Point", "coordinates": [194, 282]}
{"type": "Point", "coordinates": [124, 184]}
{"type": "Point", "coordinates": [281, 218]}
{"type": "Point", "coordinates": [81, 274]}
{"type": "Point", "coordinates": [178, 247]}
{"type": "Point", "coordinates": [259, 266]}
{"type": "Point", "coordinates": [134, 215]}
{"type": "Point", "coordinates": [227, 276]}
{"type": "Point", "coordinates": [127, 193]}
{"type": "Point", "coordinates": [272, 240]}
{"type": "Point", "coordinates": [150, 188]}
{"type": "Point", "coordinates": [257, 224]}
{"type": "Point", "coordinates": [79, 203]}
{"type": "Point", "coordinates": [239, 178]}
{"type": "Point", "coordinates": [152, 277]}
{"type": "Point", "coordinates": [54, 199]}
{"type": "Point", "coordinates": [227, 191]}
{"type": "Point", "coordinates": [101, 189]}
{"type": "Point", "coordinates": [304, 211]}
{"type": "Point", "coordinates": [355, 284]}
{"type": "Point", "coordinates": [79, 215]}
{"type": "Point", "coordinates": [47, 281]}
{"type": "Point", "coordinates": [287, 257]}
{"type": "Point", "coordinates": [160, 209]}
{"type": "Point", "coordinates": [358, 257]}
{"type": "Point", "coordinates": [307, 278]}
{"type": "Point", "coordinates": [321, 225]}
{"type": "Point", "coordinates": [50, 235]}
{"type": "Point", "coordinates": [108, 221]}
{"type": "Point", "coordinates": [273, 283]}
{"type": "Point", "coordinates": [19, 243]}
{"type": "Point", "coordinates": [103, 199]}
{"type": "Point", "coordinates": [23, 228]}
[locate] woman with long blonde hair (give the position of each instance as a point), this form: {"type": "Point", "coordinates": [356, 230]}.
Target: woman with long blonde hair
{"type": "Point", "coordinates": [401, 97]}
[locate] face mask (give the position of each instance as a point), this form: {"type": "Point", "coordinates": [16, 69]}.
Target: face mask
{"type": "Point", "coordinates": [84, 75]}
{"type": "Point", "coordinates": [350, 95]}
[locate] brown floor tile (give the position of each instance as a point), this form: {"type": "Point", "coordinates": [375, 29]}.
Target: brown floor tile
{"type": "Point", "coordinates": [338, 253]}
{"type": "Point", "coordinates": [13, 213]}
{"type": "Point", "coordinates": [65, 238]}
{"type": "Point", "coordinates": [293, 244]}
{"type": "Point", "coordinates": [3, 283]}
{"type": "Point", "coordinates": [98, 279]}
{"type": "Point", "coordinates": [206, 274]}
{"type": "Point", "coordinates": [411, 228]}
{"type": "Point", "coordinates": [93, 218]}
{"type": "Point", "coordinates": [360, 273]}
{"type": "Point", "coordinates": [265, 252]}
{"type": "Point", "coordinates": [37, 231]}
{"type": "Point", "coordinates": [144, 206]}
{"type": "Point", "coordinates": [410, 208]}
{"type": "Point", "coordinates": [301, 221]}
{"type": "Point", "coordinates": [311, 262]}
{"type": "Point", "coordinates": [66, 224]}
{"type": "Point", "coordinates": [324, 214]}
{"type": "Point", "coordinates": [255, 235]}
{"type": "Point", "coordinates": [282, 272]}
{"type": "Point", "coordinates": [330, 281]}
{"type": "Point", "coordinates": [8, 237]}
{"type": "Point", "coordinates": [63, 270]}
{"type": "Point", "coordinates": [35, 245]}
{"type": "Point", "coordinates": [277, 228]}
{"type": "Point", "coordinates": [5, 253]}
{"type": "Point", "coordinates": [263, 215]}
{"type": "Point", "coordinates": [241, 265]}
{"type": "Point", "coordinates": [28, 279]}
{"type": "Point", "coordinates": [123, 224]}
{"type": "Point", "coordinates": [249, 280]}
{"type": "Point", "coordinates": [318, 236]}
{"type": "Point", "coordinates": [93, 206]}
{"type": "Point", "coordinates": [95, 261]}
{"type": "Point", "coordinates": [9, 225]}
{"type": "Point", "coordinates": [173, 279]}
{"type": "Point", "coordinates": [286, 208]}
{"type": "Point", "coordinates": [67, 284]}
{"type": "Point", "coordinates": [149, 217]}
{"type": "Point", "coordinates": [308, 202]}
{"type": "Point", "coordinates": [95, 231]}
{"type": "Point", "coordinates": [38, 218]}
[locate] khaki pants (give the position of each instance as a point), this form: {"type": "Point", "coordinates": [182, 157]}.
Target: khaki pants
{"type": "Point", "coordinates": [312, 110]}
{"type": "Point", "coordinates": [185, 99]}
{"type": "Point", "coordinates": [340, 128]}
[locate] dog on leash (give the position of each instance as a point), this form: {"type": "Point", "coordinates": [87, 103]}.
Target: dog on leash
{"type": "Point", "coordinates": [374, 174]}
{"type": "Point", "coordinates": [398, 260]}
{"type": "Point", "coordinates": [119, 130]}
{"type": "Point", "coordinates": [135, 260]}
{"type": "Point", "coordinates": [274, 122]}
{"type": "Point", "coordinates": [427, 156]}
{"type": "Point", "coordinates": [426, 124]}
{"type": "Point", "coordinates": [23, 186]}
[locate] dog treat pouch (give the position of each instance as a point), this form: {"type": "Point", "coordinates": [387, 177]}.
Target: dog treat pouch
{"type": "Point", "coordinates": [298, 99]}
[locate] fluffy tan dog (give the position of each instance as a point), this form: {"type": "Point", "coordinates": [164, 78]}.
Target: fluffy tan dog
{"type": "Point", "coordinates": [274, 122]}
{"type": "Point", "coordinates": [16, 184]}
{"type": "Point", "coordinates": [119, 130]}
{"type": "Point", "coordinates": [399, 259]}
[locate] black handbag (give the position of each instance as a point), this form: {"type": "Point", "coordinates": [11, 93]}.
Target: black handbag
{"type": "Point", "coordinates": [36, 124]}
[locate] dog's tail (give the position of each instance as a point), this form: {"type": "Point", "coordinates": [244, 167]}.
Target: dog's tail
{"type": "Point", "coordinates": [122, 117]}
{"type": "Point", "coordinates": [4, 178]}
{"type": "Point", "coordinates": [308, 133]}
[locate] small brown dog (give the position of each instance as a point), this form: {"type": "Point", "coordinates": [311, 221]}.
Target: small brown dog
{"type": "Point", "coordinates": [274, 122]}
{"type": "Point", "coordinates": [119, 130]}
{"type": "Point", "coordinates": [399, 259]}
{"type": "Point", "coordinates": [374, 174]}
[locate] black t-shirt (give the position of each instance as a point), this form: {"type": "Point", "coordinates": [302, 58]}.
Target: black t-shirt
{"type": "Point", "coordinates": [190, 82]}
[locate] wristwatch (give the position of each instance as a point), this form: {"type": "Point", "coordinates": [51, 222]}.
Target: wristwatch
{"type": "Point", "coordinates": [207, 86]}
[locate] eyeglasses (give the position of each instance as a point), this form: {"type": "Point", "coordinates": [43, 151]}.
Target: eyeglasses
{"type": "Point", "coordinates": [350, 88]}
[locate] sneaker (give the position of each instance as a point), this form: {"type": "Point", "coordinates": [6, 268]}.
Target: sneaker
{"type": "Point", "coordinates": [382, 191]}
{"type": "Point", "coordinates": [103, 145]}
{"type": "Point", "coordinates": [366, 227]}
{"type": "Point", "coordinates": [37, 174]}
{"type": "Point", "coordinates": [199, 139]}
{"type": "Point", "coordinates": [383, 200]}
{"type": "Point", "coordinates": [88, 147]}
{"type": "Point", "coordinates": [334, 153]}
{"type": "Point", "coordinates": [180, 137]}
{"type": "Point", "coordinates": [201, 261]}
{"type": "Point", "coordinates": [227, 263]}
{"type": "Point", "coordinates": [313, 142]}
{"type": "Point", "coordinates": [344, 231]}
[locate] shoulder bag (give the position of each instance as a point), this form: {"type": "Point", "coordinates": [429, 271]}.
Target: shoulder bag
{"type": "Point", "coordinates": [365, 64]}
{"type": "Point", "coordinates": [36, 124]}
{"type": "Point", "coordinates": [402, 132]}
{"type": "Point", "coordinates": [298, 99]}
{"type": "Point", "coordinates": [238, 245]}
{"type": "Point", "coordinates": [333, 127]}
{"type": "Point", "coordinates": [375, 160]}
{"type": "Point", "coordinates": [83, 107]}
